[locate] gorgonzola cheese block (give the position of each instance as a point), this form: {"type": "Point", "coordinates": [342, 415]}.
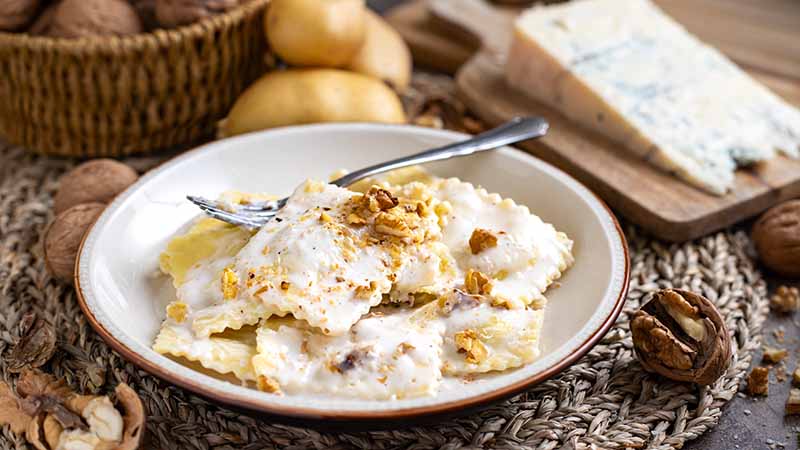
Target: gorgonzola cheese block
{"type": "Point", "coordinates": [627, 70]}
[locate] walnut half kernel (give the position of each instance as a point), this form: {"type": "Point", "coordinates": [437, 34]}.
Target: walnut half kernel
{"type": "Point", "coordinates": [681, 335]}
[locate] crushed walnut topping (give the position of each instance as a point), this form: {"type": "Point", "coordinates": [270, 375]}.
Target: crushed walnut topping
{"type": "Point", "coordinates": [476, 283]}
{"type": "Point", "coordinates": [267, 384]}
{"type": "Point", "coordinates": [325, 217]}
{"type": "Point", "coordinates": [402, 349]}
{"type": "Point", "coordinates": [392, 225]}
{"type": "Point", "coordinates": [355, 219]}
{"type": "Point", "coordinates": [382, 198]}
{"type": "Point", "coordinates": [468, 342]}
{"type": "Point", "coordinates": [177, 311]}
{"type": "Point", "coordinates": [500, 301]}
{"type": "Point", "coordinates": [365, 292]}
{"type": "Point", "coordinates": [230, 284]}
{"type": "Point", "coordinates": [481, 240]}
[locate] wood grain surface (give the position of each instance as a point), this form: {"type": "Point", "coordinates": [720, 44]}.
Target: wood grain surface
{"type": "Point", "coordinates": [657, 201]}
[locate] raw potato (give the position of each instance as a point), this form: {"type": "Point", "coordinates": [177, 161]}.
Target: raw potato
{"type": "Point", "coordinates": [300, 96]}
{"type": "Point", "coordinates": [320, 33]}
{"type": "Point", "coordinates": [384, 54]}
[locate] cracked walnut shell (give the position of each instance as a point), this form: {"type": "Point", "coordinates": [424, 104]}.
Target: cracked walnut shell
{"type": "Point", "coordinates": [681, 335]}
{"type": "Point", "coordinates": [777, 238]}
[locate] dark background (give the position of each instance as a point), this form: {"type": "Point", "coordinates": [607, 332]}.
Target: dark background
{"type": "Point", "coordinates": [746, 423]}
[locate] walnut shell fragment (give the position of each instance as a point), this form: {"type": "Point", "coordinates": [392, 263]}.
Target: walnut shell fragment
{"type": "Point", "coordinates": [681, 335]}
{"type": "Point", "coordinates": [35, 346]}
{"type": "Point", "coordinates": [52, 416]}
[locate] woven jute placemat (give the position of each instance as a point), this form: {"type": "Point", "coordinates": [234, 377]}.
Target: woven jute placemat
{"type": "Point", "coordinates": [605, 400]}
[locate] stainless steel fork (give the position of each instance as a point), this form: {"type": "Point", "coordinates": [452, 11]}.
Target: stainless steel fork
{"type": "Point", "coordinates": [257, 214]}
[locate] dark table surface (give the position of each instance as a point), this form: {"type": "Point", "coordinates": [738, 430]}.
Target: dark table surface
{"type": "Point", "coordinates": [746, 423]}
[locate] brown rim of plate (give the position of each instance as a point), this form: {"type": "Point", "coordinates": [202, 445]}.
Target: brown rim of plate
{"type": "Point", "coordinates": [372, 415]}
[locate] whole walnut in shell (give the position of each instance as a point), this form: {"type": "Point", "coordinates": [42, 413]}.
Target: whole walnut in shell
{"type": "Point", "coordinates": [776, 235]}
{"type": "Point", "coordinates": [681, 335]}
{"type": "Point", "coordinates": [63, 238]}
{"type": "Point", "coordinates": [42, 25]}
{"type": "Point", "coordinates": [98, 180]}
{"type": "Point", "coordinates": [15, 14]}
{"type": "Point", "coordinates": [173, 13]}
{"type": "Point", "coordinates": [80, 18]}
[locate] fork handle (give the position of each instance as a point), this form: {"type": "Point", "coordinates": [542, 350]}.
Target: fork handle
{"type": "Point", "coordinates": [516, 130]}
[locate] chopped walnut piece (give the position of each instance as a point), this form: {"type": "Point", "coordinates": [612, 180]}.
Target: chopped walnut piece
{"type": "Point", "coordinates": [476, 283]}
{"type": "Point", "coordinates": [391, 225]}
{"type": "Point", "coordinates": [468, 342]}
{"type": "Point", "coordinates": [285, 285]}
{"type": "Point", "coordinates": [355, 219]}
{"type": "Point", "coordinates": [403, 348]}
{"type": "Point", "coordinates": [786, 299]}
{"type": "Point", "coordinates": [481, 240]}
{"type": "Point", "coordinates": [366, 291]}
{"type": "Point", "coordinates": [177, 311]}
{"type": "Point", "coordinates": [230, 284]}
{"type": "Point", "coordinates": [500, 301]}
{"type": "Point", "coordinates": [793, 402]}
{"type": "Point", "coordinates": [758, 381]}
{"type": "Point", "coordinates": [325, 217]}
{"type": "Point", "coordinates": [267, 384]}
{"type": "Point", "coordinates": [774, 355]}
{"type": "Point", "coordinates": [382, 198]}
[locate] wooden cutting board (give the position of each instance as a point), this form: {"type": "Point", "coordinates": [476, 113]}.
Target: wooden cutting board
{"type": "Point", "coordinates": [763, 36]}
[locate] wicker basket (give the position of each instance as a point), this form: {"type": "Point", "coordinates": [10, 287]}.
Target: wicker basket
{"type": "Point", "coordinates": [119, 96]}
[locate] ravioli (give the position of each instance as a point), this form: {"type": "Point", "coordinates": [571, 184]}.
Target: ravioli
{"type": "Point", "coordinates": [528, 254]}
{"type": "Point", "coordinates": [479, 337]}
{"type": "Point", "coordinates": [330, 254]}
{"type": "Point", "coordinates": [377, 293]}
{"type": "Point", "coordinates": [383, 356]}
{"type": "Point", "coordinates": [195, 261]}
{"type": "Point", "coordinates": [231, 354]}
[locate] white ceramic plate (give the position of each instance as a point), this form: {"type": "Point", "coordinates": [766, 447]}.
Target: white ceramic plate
{"type": "Point", "coordinates": [124, 297]}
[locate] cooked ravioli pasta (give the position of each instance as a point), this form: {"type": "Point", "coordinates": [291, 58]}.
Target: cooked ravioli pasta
{"type": "Point", "coordinates": [377, 292]}
{"type": "Point", "coordinates": [383, 356]}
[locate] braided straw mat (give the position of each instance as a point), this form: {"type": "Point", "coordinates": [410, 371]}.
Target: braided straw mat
{"type": "Point", "coordinates": [605, 400]}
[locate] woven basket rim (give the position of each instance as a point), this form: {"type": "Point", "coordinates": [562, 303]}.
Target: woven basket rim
{"type": "Point", "coordinates": [154, 38]}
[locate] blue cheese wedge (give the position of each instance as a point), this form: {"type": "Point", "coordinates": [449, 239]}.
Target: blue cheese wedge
{"type": "Point", "coordinates": [627, 70]}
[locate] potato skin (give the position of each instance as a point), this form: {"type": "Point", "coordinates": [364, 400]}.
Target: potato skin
{"type": "Point", "coordinates": [384, 54]}
{"type": "Point", "coordinates": [301, 96]}
{"type": "Point", "coordinates": [316, 33]}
